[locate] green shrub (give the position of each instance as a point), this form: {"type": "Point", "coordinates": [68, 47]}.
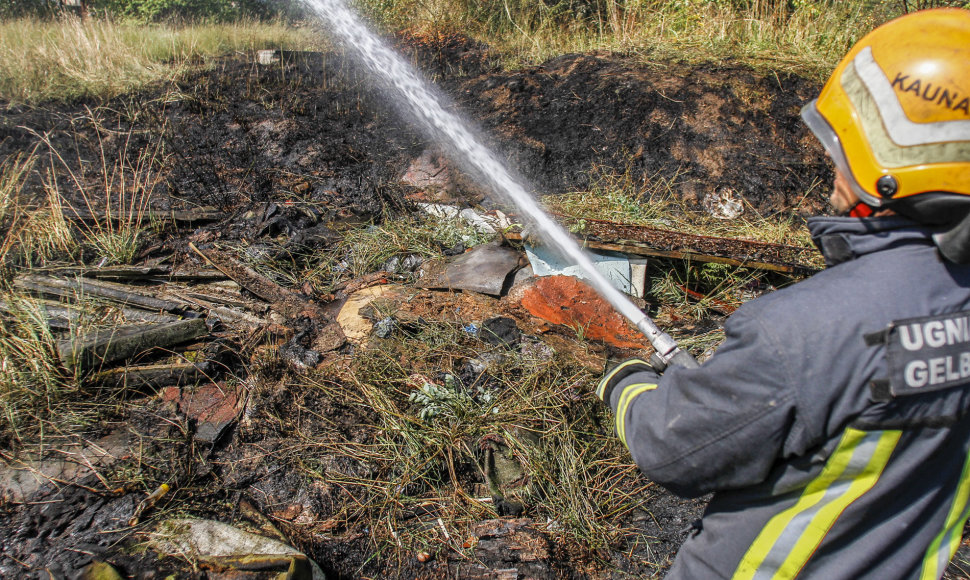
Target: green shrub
{"type": "Point", "coordinates": [21, 8]}
{"type": "Point", "coordinates": [194, 10]}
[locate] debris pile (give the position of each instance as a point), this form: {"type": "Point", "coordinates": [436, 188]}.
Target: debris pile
{"type": "Point", "coordinates": [365, 419]}
{"type": "Point", "coordinates": [186, 335]}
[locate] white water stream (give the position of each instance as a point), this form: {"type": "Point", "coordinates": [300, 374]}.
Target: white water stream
{"type": "Point", "coordinates": [461, 145]}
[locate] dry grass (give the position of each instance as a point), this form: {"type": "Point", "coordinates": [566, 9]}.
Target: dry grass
{"type": "Point", "coordinates": [809, 38]}
{"type": "Point", "coordinates": [33, 384]}
{"type": "Point", "coordinates": [71, 58]}
{"type": "Point", "coordinates": [578, 480]}
{"type": "Point", "coordinates": [652, 201]}
{"type": "Point", "coordinates": [117, 201]}
{"type": "Point", "coordinates": [34, 232]}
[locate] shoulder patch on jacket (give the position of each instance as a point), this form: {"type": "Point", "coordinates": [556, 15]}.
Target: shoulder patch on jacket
{"type": "Point", "coordinates": [926, 354]}
{"type": "Point", "coordinates": [835, 249]}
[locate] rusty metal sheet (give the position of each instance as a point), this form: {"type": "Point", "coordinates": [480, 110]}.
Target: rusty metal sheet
{"type": "Point", "coordinates": [485, 269]}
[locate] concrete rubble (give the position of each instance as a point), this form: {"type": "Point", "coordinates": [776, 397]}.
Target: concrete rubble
{"type": "Point", "coordinates": [229, 552]}
{"type": "Point", "coordinates": [21, 479]}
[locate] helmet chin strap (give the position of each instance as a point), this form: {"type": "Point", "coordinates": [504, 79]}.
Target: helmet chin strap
{"type": "Point", "coordinates": [860, 210]}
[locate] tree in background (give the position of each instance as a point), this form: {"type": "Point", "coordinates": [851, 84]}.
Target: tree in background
{"type": "Point", "coordinates": [157, 10]}
{"type": "Point", "coordinates": [19, 8]}
{"type": "Point", "coordinates": [488, 15]}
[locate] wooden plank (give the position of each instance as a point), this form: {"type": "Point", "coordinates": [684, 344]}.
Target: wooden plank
{"type": "Point", "coordinates": [152, 376]}
{"type": "Point", "coordinates": [642, 249]}
{"type": "Point", "coordinates": [119, 293]}
{"type": "Point", "coordinates": [65, 316]}
{"type": "Point", "coordinates": [94, 349]}
{"type": "Point", "coordinates": [137, 273]}
{"type": "Point", "coordinates": [227, 314]}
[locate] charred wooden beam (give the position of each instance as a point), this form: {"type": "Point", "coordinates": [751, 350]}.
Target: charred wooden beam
{"type": "Point", "coordinates": [226, 313]}
{"type": "Point", "coordinates": [644, 250]}
{"type": "Point", "coordinates": [108, 272]}
{"type": "Point", "coordinates": [161, 273]}
{"type": "Point", "coordinates": [94, 349]}
{"type": "Point", "coordinates": [60, 316]}
{"type": "Point", "coordinates": [152, 376]}
{"type": "Point", "coordinates": [187, 216]}
{"type": "Point", "coordinates": [655, 242]}
{"type": "Point", "coordinates": [118, 293]}
{"type": "Point", "coordinates": [201, 275]}
{"type": "Point", "coordinates": [210, 299]}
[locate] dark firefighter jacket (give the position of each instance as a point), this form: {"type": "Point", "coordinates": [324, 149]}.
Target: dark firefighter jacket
{"type": "Point", "coordinates": [831, 423]}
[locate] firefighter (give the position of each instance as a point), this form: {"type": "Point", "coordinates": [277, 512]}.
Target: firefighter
{"type": "Point", "coordinates": [832, 423]}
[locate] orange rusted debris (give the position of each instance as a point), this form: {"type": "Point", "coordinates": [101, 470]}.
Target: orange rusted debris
{"type": "Point", "coordinates": [569, 301]}
{"type": "Point", "coordinates": [213, 407]}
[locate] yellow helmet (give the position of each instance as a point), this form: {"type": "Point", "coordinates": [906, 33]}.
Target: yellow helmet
{"type": "Point", "coordinates": [895, 116]}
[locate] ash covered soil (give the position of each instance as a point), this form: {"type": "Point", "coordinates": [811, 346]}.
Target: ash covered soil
{"type": "Point", "coordinates": [292, 153]}
{"type": "Point", "coordinates": [240, 133]}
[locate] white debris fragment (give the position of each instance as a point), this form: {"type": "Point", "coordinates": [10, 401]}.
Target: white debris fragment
{"type": "Point", "coordinates": [612, 265]}
{"type": "Point", "coordinates": [723, 203]}
{"type": "Point", "coordinates": [488, 223]}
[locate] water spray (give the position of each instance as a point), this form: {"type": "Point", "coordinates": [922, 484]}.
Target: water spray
{"type": "Point", "coordinates": [466, 149]}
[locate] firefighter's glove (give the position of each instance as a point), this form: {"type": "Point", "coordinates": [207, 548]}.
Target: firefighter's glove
{"type": "Point", "coordinates": [630, 371]}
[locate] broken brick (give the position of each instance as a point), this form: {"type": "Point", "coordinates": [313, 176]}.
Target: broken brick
{"type": "Point", "coordinates": [212, 407]}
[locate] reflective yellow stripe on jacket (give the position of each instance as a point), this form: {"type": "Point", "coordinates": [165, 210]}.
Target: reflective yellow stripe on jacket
{"type": "Point", "coordinates": [601, 387]}
{"type": "Point", "coordinates": [629, 393]}
{"type": "Point", "coordinates": [790, 538]}
{"type": "Point", "coordinates": [945, 545]}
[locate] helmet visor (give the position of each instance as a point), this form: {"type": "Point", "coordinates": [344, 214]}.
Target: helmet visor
{"type": "Point", "coordinates": [830, 141]}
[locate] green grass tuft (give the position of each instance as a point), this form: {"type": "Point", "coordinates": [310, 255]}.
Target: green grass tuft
{"type": "Point", "coordinates": [35, 231]}
{"type": "Point", "coordinates": [33, 384]}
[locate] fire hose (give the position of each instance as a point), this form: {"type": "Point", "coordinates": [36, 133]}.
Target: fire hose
{"type": "Point", "coordinates": [447, 128]}
{"type": "Point", "coordinates": [667, 352]}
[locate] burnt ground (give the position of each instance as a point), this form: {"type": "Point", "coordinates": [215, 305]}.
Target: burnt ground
{"type": "Point", "coordinates": [309, 146]}
{"type": "Point", "coordinates": [239, 133]}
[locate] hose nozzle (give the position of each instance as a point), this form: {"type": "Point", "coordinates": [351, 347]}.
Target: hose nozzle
{"type": "Point", "coordinates": [668, 353]}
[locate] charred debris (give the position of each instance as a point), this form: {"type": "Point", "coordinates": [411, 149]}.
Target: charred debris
{"type": "Point", "coordinates": [209, 342]}
{"type": "Point", "coordinates": [339, 345]}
